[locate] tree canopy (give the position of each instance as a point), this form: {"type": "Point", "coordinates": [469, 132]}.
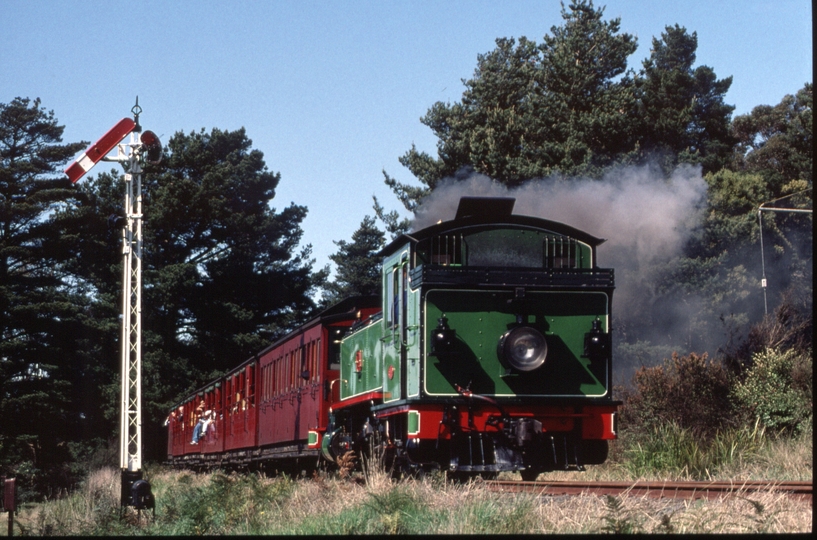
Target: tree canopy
{"type": "Point", "coordinates": [222, 271]}
{"type": "Point", "coordinates": [222, 275]}
{"type": "Point", "coordinates": [683, 117]}
{"type": "Point", "coordinates": [358, 264]}
{"type": "Point", "coordinates": [569, 107]}
{"type": "Point", "coordinates": [39, 309]}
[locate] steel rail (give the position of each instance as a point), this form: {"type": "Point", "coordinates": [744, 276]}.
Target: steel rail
{"type": "Point", "coordinates": [658, 489]}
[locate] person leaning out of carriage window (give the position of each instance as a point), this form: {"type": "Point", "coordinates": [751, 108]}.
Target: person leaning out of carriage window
{"type": "Point", "coordinates": [197, 431]}
{"type": "Point", "coordinates": [208, 420]}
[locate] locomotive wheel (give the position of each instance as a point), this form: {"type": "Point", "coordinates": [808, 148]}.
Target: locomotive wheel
{"type": "Point", "coordinates": [529, 475]}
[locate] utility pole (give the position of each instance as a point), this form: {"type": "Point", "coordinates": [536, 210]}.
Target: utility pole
{"type": "Point", "coordinates": [762, 208]}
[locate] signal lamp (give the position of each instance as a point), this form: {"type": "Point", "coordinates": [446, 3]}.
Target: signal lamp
{"type": "Point", "coordinates": [151, 147]}
{"type": "Point", "coordinates": [523, 347]}
{"type": "Point", "coordinates": [116, 221]}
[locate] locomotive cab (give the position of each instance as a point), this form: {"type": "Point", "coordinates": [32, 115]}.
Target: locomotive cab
{"type": "Point", "coordinates": [492, 352]}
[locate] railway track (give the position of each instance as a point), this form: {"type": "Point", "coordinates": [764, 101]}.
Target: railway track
{"type": "Point", "coordinates": [657, 490]}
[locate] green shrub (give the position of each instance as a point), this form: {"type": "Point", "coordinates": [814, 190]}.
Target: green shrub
{"type": "Point", "coordinates": [778, 390]}
{"type": "Point", "coordinates": [221, 504]}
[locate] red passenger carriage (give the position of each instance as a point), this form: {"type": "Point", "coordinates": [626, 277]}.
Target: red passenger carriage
{"type": "Point", "coordinates": [275, 405]}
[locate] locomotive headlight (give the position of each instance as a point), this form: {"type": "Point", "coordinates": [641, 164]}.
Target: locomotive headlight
{"type": "Point", "coordinates": [523, 347]}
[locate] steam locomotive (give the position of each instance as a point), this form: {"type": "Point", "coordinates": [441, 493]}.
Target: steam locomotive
{"type": "Point", "coordinates": [488, 350]}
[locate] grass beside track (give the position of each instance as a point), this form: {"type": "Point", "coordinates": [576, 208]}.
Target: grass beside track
{"type": "Point", "coordinates": [371, 503]}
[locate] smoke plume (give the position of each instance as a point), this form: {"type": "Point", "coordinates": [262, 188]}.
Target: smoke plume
{"type": "Point", "coordinates": [645, 218]}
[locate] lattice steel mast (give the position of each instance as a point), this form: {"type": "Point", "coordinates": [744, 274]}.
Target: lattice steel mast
{"type": "Point", "coordinates": [130, 418]}
{"type": "Point", "coordinates": [141, 147]}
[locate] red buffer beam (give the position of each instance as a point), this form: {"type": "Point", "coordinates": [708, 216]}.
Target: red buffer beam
{"type": "Point", "coordinates": [99, 149]}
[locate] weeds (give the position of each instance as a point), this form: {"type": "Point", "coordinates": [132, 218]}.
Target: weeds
{"type": "Point", "coordinates": [669, 449]}
{"type": "Point", "coordinates": [252, 504]}
{"type": "Point", "coordinates": [618, 520]}
{"type": "Point", "coordinates": [758, 517]}
{"type": "Point", "coordinates": [394, 509]}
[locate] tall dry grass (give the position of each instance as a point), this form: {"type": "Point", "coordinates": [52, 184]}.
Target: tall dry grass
{"type": "Point", "coordinates": [372, 503]}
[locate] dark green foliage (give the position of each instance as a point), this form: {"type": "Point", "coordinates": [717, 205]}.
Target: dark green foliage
{"type": "Point", "coordinates": [222, 273]}
{"type": "Point", "coordinates": [394, 225]}
{"type": "Point", "coordinates": [777, 141]}
{"type": "Point", "coordinates": [532, 110]}
{"type": "Point", "coordinates": [682, 113]}
{"type": "Point", "coordinates": [395, 509]}
{"type": "Point", "coordinates": [790, 326]}
{"type": "Point", "coordinates": [778, 390]}
{"type": "Point", "coordinates": [41, 313]}
{"type": "Point", "coordinates": [223, 504]}
{"type": "Point", "coordinates": [776, 144]}
{"type": "Point", "coordinates": [618, 519]}
{"type": "Point", "coordinates": [358, 264]}
{"type": "Point", "coordinates": [567, 107]}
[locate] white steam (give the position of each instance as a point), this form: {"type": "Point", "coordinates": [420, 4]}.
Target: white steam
{"type": "Point", "coordinates": [645, 218]}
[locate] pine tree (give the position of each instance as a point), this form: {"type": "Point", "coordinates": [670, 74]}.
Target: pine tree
{"type": "Point", "coordinates": [358, 264]}
{"type": "Point", "coordinates": [683, 115]}
{"type": "Point", "coordinates": [222, 270]}
{"type": "Point", "coordinates": [40, 310]}
{"type": "Point", "coordinates": [535, 110]}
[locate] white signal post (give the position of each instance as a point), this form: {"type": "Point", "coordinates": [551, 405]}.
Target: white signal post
{"type": "Point", "coordinates": [141, 147]}
{"type": "Point", "coordinates": [130, 418]}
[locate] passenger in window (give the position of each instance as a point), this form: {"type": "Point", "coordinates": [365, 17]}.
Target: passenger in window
{"type": "Point", "coordinates": [199, 425]}
{"type": "Point", "coordinates": [170, 417]}
{"type": "Point", "coordinates": [208, 420]}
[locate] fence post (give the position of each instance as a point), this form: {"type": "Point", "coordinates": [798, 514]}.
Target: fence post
{"type": "Point", "coordinates": [10, 501]}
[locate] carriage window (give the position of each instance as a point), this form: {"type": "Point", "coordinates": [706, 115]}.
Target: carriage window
{"type": "Point", "coordinates": [217, 407]}
{"type": "Point", "coordinates": [251, 385]}
{"type": "Point", "coordinates": [275, 378]}
{"type": "Point", "coordinates": [229, 395]}
{"type": "Point", "coordinates": [446, 249]}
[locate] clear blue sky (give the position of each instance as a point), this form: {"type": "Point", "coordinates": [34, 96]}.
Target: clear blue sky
{"type": "Point", "coordinates": [332, 92]}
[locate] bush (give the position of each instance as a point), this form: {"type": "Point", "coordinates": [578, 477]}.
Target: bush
{"type": "Point", "coordinates": [688, 391]}
{"type": "Point", "coordinates": [777, 390]}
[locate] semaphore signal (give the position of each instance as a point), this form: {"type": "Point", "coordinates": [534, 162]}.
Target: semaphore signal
{"type": "Point", "coordinates": [97, 151]}
{"type": "Point", "coordinates": [143, 147]}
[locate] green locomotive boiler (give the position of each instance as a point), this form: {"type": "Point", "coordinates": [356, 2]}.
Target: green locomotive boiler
{"type": "Point", "coordinates": [492, 351]}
